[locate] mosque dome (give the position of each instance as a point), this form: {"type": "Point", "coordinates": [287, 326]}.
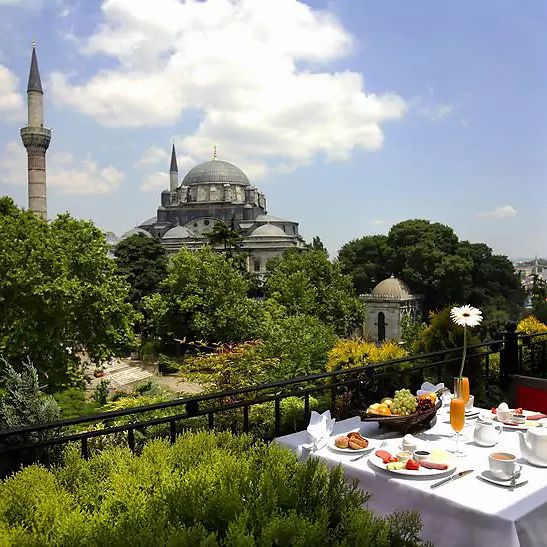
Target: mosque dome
{"type": "Point", "coordinates": [268, 230]}
{"type": "Point", "coordinates": [178, 232]}
{"type": "Point", "coordinates": [392, 288]}
{"type": "Point", "coordinates": [215, 171]}
{"type": "Point", "coordinates": [134, 231]}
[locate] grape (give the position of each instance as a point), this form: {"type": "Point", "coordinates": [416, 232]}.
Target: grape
{"type": "Point", "coordinates": [404, 403]}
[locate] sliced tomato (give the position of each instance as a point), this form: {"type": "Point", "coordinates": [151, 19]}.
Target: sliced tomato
{"type": "Point", "coordinates": [413, 465]}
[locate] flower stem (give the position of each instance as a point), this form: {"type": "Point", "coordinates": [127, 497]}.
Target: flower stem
{"type": "Point", "coordinates": [464, 349]}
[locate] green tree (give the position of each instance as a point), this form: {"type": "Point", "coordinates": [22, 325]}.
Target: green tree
{"type": "Point", "coordinates": [60, 296]}
{"type": "Point", "coordinates": [203, 297]}
{"type": "Point", "coordinates": [367, 260]}
{"type": "Point", "coordinates": [434, 263]}
{"type": "Point", "coordinates": [143, 262]}
{"type": "Point", "coordinates": [308, 283]}
{"type": "Point", "coordinates": [317, 244]}
{"type": "Point", "coordinates": [225, 236]}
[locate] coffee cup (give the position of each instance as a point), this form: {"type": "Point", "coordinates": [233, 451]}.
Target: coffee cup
{"type": "Point", "coordinates": [503, 465]}
{"type": "Point", "coordinates": [469, 404]}
{"type": "Point", "coordinates": [504, 415]}
{"type": "Point", "coordinates": [518, 419]}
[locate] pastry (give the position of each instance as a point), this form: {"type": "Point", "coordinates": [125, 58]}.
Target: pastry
{"type": "Point", "coordinates": [341, 442]}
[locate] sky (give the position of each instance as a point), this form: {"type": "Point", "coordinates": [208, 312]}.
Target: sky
{"type": "Point", "coordinates": [350, 115]}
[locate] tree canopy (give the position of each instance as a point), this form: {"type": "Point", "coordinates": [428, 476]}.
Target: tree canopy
{"type": "Point", "coordinates": [308, 283]}
{"type": "Point", "coordinates": [59, 294]}
{"type": "Point", "coordinates": [143, 262]}
{"type": "Point", "coordinates": [429, 257]}
{"type": "Point", "coordinates": [203, 297]}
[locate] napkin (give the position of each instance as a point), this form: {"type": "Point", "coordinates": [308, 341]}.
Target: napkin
{"type": "Point", "coordinates": [536, 416]}
{"type": "Point", "coordinates": [320, 428]}
{"type": "Point", "coordinates": [427, 387]}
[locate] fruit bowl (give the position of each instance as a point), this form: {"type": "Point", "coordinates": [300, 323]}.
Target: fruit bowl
{"type": "Point", "coordinates": [421, 419]}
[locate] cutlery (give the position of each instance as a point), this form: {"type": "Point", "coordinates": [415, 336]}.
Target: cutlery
{"type": "Point", "coordinates": [513, 480]}
{"type": "Point", "coordinates": [367, 453]}
{"type": "Point", "coordinates": [452, 478]}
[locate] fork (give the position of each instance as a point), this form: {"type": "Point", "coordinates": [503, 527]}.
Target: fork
{"type": "Point", "coordinates": [366, 453]}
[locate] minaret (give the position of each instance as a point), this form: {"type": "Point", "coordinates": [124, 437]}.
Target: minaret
{"type": "Point", "coordinates": [36, 140]}
{"type": "Point", "coordinates": [173, 171]}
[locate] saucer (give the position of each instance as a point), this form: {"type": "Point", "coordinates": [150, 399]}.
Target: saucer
{"type": "Point", "coordinates": [487, 476]}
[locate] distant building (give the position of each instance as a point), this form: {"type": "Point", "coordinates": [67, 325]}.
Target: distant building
{"type": "Point", "coordinates": [218, 191]}
{"type": "Point", "coordinates": [387, 304]}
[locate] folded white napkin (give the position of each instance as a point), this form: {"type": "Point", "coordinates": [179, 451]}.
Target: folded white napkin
{"type": "Point", "coordinates": [320, 429]}
{"type": "Point", "coordinates": [427, 387]}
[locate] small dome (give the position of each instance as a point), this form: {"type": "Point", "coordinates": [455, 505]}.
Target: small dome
{"type": "Point", "coordinates": [268, 230]}
{"type": "Point", "coordinates": [179, 232]}
{"type": "Point", "coordinates": [392, 288]}
{"type": "Point", "coordinates": [134, 231]}
{"type": "Point", "coordinates": [215, 171]}
{"type": "Point", "coordinates": [148, 221]}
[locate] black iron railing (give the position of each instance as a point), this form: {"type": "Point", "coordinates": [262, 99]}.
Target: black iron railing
{"type": "Point", "coordinates": [357, 387]}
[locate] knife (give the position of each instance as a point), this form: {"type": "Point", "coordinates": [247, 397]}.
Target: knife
{"type": "Point", "coordinates": [452, 478]}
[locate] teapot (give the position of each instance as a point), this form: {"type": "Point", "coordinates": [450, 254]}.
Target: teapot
{"type": "Point", "coordinates": [534, 446]}
{"type": "Point", "coordinates": [486, 432]}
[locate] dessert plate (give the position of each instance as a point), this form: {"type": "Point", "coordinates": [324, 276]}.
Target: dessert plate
{"type": "Point", "coordinates": [509, 425]}
{"type": "Point", "coordinates": [487, 476]}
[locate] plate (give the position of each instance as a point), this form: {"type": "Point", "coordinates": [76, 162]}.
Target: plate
{"type": "Point", "coordinates": [487, 476]}
{"type": "Point", "coordinates": [422, 472]}
{"type": "Point", "coordinates": [372, 444]}
{"type": "Point", "coordinates": [507, 425]}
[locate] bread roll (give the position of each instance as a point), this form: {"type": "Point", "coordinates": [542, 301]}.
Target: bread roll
{"type": "Point", "coordinates": [341, 442]}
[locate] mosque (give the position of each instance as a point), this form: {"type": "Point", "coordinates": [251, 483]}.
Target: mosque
{"type": "Point", "coordinates": [211, 192]}
{"type": "Point", "coordinates": [218, 191]}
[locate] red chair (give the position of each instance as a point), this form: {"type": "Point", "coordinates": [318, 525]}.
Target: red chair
{"type": "Point", "coordinates": [530, 393]}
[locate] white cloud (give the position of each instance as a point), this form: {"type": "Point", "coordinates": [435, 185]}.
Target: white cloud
{"type": "Point", "coordinates": [437, 112]}
{"type": "Point", "coordinates": [64, 174]}
{"type": "Point", "coordinates": [159, 180]}
{"type": "Point", "coordinates": [153, 156]}
{"type": "Point", "coordinates": [12, 107]}
{"type": "Point", "coordinates": [251, 69]}
{"type": "Point", "coordinates": [504, 211]}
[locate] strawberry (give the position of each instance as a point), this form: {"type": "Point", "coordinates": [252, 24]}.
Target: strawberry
{"type": "Point", "coordinates": [494, 410]}
{"type": "Point", "coordinates": [413, 465]}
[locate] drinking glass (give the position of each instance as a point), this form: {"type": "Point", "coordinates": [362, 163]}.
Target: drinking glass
{"type": "Point", "coordinates": [461, 388]}
{"type": "Point", "coordinates": [457, 421]}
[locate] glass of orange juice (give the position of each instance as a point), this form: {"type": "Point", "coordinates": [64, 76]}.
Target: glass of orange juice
{"type": "Point", "coordinates": [461, 388]}
{"type": "Point", "coordinates": [457, 421]}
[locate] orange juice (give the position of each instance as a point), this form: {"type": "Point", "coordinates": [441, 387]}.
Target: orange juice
{"type": "Point", "coordinates": [461, 388]}
{"type": "Point", "coordinates": [457, 414]}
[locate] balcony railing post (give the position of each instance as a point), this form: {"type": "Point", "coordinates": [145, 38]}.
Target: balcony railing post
{"type": "Point", "coordinates": [509, 355]}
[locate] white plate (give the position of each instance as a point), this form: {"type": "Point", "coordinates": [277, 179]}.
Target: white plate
{"type": "Point", "coordinates": [372, 444]}
{"type": "Point", "coordinates": [486, 475]}
{"type": "Point", "coordinates": [422, 472]}
{"type": "Point", "coordinates": [538, 423]}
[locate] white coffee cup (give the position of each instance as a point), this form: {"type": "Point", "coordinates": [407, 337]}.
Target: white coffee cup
{"type": "Point", "coordinates": [503, 465]}
{"type": "Point", "coordinates": [486, 432]}
{"type": "Point", "coordinates": [504, 415]}
{"type": "Point", "coordinates": [469, 405]}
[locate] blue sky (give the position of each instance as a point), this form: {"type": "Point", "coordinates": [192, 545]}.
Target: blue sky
{"type": "Point", "coordinates": [350, 115]}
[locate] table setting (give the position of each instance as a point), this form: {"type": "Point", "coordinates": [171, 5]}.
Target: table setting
{"type": "Point", "coordinates": [476, 476]}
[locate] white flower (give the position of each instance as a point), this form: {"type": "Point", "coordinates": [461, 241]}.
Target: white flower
{"type": "Point", "coordinates": [466, 316]}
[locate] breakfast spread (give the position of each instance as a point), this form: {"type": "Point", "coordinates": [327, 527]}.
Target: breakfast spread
{"type": "Point", "coordinates": [353, 441]}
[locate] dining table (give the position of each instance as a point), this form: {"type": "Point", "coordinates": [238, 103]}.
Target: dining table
{"type": "Point", "coordinates": [465, 512]}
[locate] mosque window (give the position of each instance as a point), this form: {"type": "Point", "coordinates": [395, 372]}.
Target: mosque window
{"type": "Point", "coordinates": [256, 265]}
{"type": "Point", "coordinates": [206, 222]}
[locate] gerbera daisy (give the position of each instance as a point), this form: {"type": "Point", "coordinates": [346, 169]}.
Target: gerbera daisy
{"type": "Point", "coordinates": [466, 316]}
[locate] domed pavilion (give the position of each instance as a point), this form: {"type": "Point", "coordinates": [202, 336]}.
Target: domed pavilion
{"type": "Point", "coordinates": [215, 191]}
{"type": "Point", "coordinates": [387, 304]}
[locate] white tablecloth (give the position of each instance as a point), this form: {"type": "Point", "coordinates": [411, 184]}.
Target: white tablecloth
{"type": "Point", "coordinates": [465, 512]}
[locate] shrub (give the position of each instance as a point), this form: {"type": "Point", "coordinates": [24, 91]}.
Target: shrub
{"type": "Point", "coordinates": [100, 393]}
{"type": "Point", "coordinates": [72, 403]}
{"type": "Point", "coordinates": [531, 325]}
{"type": "Point", "coordinates": [167, 365]}
{"type": "Point", "coordinates": [356, 352]}
{"type": "Point", "coordinates": [206, 489]}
